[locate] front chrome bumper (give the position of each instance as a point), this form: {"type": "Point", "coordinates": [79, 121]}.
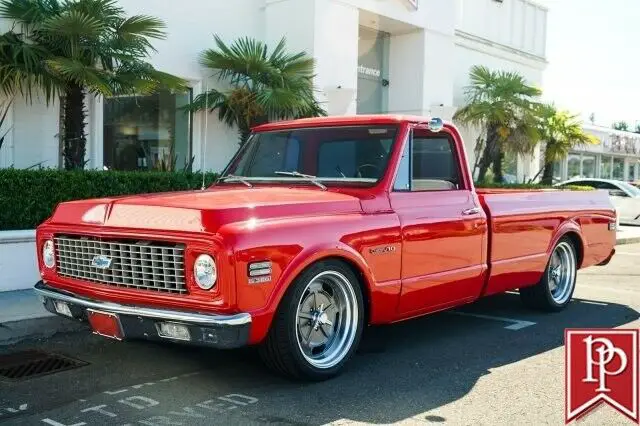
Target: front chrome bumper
{"type": "Point", "coordinates": [221, 331]}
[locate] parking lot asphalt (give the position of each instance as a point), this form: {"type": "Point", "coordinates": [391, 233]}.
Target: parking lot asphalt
{"type": "Point", "coordinates": [493, 362]}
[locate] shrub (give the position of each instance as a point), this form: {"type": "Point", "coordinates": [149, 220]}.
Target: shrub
{"type": "Point", "coordinates": [533, 186]}
{"type": "Point", "coordinates": [28, 197]}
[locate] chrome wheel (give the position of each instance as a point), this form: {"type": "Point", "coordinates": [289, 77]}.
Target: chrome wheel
{"type": "Point", "coordinates": [326, 319]}
{"type": "Point", "coordinates": [562, 273]}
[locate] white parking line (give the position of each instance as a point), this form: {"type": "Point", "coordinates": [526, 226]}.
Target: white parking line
{"type": "Point", "coordinates": [515, 324]}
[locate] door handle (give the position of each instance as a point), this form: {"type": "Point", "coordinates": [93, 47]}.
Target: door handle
{"type": "Point", "coordinates": [471, 211]}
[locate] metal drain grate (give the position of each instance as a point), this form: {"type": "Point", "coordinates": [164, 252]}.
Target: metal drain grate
{"type": "Point", "coordinates": [29, 364]}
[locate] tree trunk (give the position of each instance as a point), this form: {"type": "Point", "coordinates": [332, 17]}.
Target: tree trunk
{"type": "Point", "coordinates": [498, 159]}
{"type": "Point", "coordinates": [547, 173]}
{"type": "Point", "coordinates": [74, 137]}
{"type": "Point", "coordinates": [488, 153]}
{"type": "Point", "coordinates": [244, 135]}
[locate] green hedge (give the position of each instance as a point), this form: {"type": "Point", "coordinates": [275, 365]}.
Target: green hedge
{"type": "Point", "coordinates": [489, 185]}
{"type": "Point", "coordinates": [27, 197]}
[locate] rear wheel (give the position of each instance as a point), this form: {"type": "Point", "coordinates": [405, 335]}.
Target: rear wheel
{"type": "Point", "coordinates": [318, 325]}
{"type": "Point", "coordinates": [555, 289]}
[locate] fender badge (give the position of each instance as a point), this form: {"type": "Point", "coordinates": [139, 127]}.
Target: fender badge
{"type": "Point", "coordinates": [382, 250]}
{"type": "Point", "coordinates": [258, 280]}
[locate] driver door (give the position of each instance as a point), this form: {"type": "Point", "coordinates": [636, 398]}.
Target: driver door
{"type": "Point", "coordinates": [444, 228]}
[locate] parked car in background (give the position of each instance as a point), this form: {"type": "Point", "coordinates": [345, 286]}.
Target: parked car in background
{"type": "Point", "coordinates": [624, 196]}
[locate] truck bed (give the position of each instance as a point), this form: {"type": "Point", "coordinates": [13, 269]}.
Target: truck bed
{"type": "Point", "coordinates": [525, 224]}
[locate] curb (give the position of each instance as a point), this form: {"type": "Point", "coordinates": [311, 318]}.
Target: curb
{"type": "Point", "coordinates": [37, 328]}
{"type": "Point", "coordinates": [630, 240]}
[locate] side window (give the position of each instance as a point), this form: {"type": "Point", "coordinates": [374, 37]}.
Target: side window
{"type": "Point", "coordinates": [434, 164]}
{"type": "Point", "coordinates": [402, 182]}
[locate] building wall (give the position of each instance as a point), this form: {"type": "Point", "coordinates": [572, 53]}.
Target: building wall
{"type": "Point", "coordinates": [517, 24]}
{"type": "Point", "coordinates": [431, 51]}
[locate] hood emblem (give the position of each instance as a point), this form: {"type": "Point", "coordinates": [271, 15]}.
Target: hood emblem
{"type": "Point", "coordinates": [101, 262]}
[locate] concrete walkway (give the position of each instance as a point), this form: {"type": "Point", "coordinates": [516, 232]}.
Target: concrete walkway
{"type": "Point", "coordinates": [23, 316]}
{"type": "Point", "coordinates": [628, 235]}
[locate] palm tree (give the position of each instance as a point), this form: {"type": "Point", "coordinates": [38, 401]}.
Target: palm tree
{"type": "Point", "coordinates": [562, 132]}
{"type": "Point", "coordinates": [503, 105]}
{"type": "Point", "coordinates": [263, 86]}
{"type": "Point", "coordinates": [72, 48]}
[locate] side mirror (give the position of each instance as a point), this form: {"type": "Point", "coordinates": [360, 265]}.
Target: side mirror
{"type": "Point", "coordinates": [617, 193]}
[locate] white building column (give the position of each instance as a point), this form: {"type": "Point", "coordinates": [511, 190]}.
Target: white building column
{"type": "Point", "coordinates": [328, 31]}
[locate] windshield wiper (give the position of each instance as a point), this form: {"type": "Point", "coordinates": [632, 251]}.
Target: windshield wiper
{"type": "Point", "coordinates": [234, 178]}
{"type": "Point", "coordinates": [310, 178]}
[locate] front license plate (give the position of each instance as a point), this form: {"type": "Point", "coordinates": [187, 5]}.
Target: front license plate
{"type": "Point", "coordinates": [105, 324]}
{"type": "Point", "coordinates": [62, 308]}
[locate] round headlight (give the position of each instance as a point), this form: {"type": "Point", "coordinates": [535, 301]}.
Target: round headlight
{"type": "Point", "coordinates": [205, 272]}
{"type": "Point", "coordinates": [48, 254]}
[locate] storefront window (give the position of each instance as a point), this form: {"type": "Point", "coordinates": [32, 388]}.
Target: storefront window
{"type": "Point", "coordinates": [147, 132]}
{"type": "Point", "coordinates": [618, 168]}
{"type": "Point", "coordinates": [573, 166]}
{"type": "Point", "coordinates": [510, 168]}
{"type": "Point", "coordinates": [631, 174]}
{"type": "Point", "coordinates": [605, 167]}
{"type": "Point", "coordinates": [588, 166]}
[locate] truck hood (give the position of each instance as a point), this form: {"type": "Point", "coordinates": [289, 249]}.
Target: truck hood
{"type": "Point", "coordinates": [203, 210]}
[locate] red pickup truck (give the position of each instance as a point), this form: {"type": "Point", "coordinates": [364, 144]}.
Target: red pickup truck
{"type": "Point", "coordinates": [317, 229]}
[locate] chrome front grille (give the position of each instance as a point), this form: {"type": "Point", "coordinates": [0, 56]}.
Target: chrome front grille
{"type": "Point", "coordinates": [144, 265]}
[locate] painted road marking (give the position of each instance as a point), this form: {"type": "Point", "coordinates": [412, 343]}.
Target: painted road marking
{"type": "Point", "coordinates": [515, 324]}
{"type": "Point", "coordinates": [592, 302]}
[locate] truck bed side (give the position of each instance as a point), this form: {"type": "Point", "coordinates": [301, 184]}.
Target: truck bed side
{"type": "Point", "coordinates": [524, 226]}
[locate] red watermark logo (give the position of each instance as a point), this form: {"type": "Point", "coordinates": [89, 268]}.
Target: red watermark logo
{"type": "Point", "coordinates": [601, 366]}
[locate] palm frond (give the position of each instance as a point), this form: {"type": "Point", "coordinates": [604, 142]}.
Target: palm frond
{"type": "Point", "coordinates": [73, 24]}
{"type": "Point", "coordinates": [93, 79]}
{"type": "Point", "coordinates": [28, 12]}
{"type": "Point", "coordinates": [141, 26]}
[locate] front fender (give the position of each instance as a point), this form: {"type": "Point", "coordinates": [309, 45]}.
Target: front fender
{"type": "Point", "coordinates": [263, 317]}
{"type": "Point", "coordinates": [292, 244]}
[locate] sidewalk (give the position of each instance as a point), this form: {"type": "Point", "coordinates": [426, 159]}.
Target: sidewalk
{"type": "Point", "coordinates": [628, 235]}
{"type": "Point", "coordinates": [23, 316]}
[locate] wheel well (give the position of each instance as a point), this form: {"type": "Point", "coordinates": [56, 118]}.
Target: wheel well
{"type": "Point", "coordinates": [577, 244]}
{"type": "Point", "coordinates": [362, 282]}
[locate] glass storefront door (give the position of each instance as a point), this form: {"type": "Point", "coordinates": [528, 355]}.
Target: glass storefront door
{"type": "Point", "coordinates": [618, 168]}
{"type": "Point", "coordinates": [373, 56]}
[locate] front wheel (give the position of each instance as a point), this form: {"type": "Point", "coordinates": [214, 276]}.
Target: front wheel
{"type": "Point", "coordinates": [555, 289]}
{"type": "Point", "coordinates": [318, 325]}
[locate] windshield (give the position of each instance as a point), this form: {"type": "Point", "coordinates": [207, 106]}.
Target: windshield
{"type": "Point", "coordinates": [635, 192]}
{"type": "Point", "coordinates": [348, 154]}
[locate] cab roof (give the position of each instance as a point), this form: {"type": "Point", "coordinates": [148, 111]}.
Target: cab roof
{"type": "Point", "coordinates": [342, 120]}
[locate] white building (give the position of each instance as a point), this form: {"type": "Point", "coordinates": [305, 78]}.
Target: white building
{"type": "Point", "coordinates": [615, 156]}
{"type": "Point", "coordinates": [373, 56]}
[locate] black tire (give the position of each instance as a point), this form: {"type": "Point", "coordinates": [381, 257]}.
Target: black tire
{"type": "Point", "coordinates": [543, 296]}
{"type": "Point", "coordinates": [281, 350]}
